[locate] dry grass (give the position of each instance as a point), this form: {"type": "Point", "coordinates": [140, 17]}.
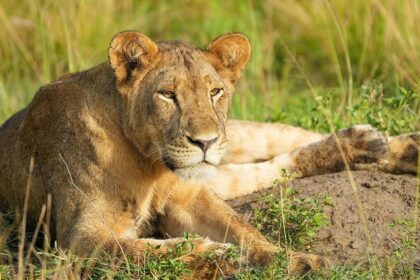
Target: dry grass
{"type": "Point", "coordinates": [341, 45]}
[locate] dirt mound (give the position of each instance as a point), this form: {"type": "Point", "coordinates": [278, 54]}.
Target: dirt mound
{"type": "Point", "coordinates": [385, 198]}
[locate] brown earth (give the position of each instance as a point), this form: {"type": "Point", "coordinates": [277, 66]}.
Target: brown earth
{"type": "Point", "coordinates": [385, 198]}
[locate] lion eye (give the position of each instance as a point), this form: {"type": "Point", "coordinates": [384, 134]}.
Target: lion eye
{"type": "Point", "coordinates": [167, 94]}
{"type": "Point", "coordinates": [216, 92]}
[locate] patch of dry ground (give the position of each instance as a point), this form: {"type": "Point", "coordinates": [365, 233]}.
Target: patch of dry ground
{"type": "Point", "coordinates": [385, 198]}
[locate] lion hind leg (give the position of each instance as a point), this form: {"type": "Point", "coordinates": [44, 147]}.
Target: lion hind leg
{"type": "Point", "coordinates": [234, 180]}
{"type": "Point", "coordinates": [252, 142]}
{"type": "Point", "coordinates": [360, 144]}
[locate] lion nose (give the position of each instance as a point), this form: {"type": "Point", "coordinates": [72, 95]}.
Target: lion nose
{"type": "Point", "coordinates": [203, 142]}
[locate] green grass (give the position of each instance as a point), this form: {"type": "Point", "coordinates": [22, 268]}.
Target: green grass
{"type": "Point", "coordinates": [342, 47]}
{"type": "Point", "coordinates": [302, 217]}
{"type": "Point", "coordinates": [317, 64]}
{"type": "Point", "coordinates": [286, 220]}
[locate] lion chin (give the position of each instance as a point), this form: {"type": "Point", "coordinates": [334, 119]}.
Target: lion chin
{"type": "Point", "coordinates": [200, 171]}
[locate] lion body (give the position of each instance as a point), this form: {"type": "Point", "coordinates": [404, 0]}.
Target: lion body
{"type": "Point", "coordinates": [98, 165]}
{"type": "Point", "coordinates": [71, 131]}
{"type": "Point", "coordinates": [55, 123]}
{"type": "Point", "coordinates": [96, 151]}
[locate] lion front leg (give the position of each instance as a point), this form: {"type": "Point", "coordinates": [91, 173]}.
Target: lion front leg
{"type": "Point", "coordinates": [195, 209]}
{"type": "Point", "coordinates": [91, 238]}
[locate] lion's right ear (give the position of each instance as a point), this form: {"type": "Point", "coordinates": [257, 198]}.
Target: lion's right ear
{"type": "Point", "coordinates": [129, 54]}
{"type": "Point", "coordinates": [229, 54]}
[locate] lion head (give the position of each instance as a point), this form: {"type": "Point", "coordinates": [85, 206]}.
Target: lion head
{"type": "Point", "coordinates": [176, 96]}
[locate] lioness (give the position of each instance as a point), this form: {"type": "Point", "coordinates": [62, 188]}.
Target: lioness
{"type": "Point", "coordinates": [117, 148]}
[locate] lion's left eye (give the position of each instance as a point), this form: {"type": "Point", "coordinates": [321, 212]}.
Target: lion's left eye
{"type": "Point", "coordinates": [167, 94]}
{"type": "Point", "coordinates": [216, 92]}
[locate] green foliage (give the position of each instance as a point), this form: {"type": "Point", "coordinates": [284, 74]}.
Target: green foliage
{"type": "Point", "coordinates": [156, 266]}
{"type": "Point", "coordinates": [290, 222]}
{"type": "Point", "coordinates": [5, 272]}
{"type": "Point", "coordinates": [302, 218]}
{"type": "Point", "coordinates": [390, 113]}
{"type": "Point", "coordinates": [402, 260]}
{"type": "Point", "coordinates": [343, 47]}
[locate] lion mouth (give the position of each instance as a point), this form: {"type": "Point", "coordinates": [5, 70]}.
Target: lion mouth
{"type": "Point", "coordinates": [197, 171]}
{"type": "Point", "coordinates": [200, 171]}
{"type": "Point", "coordinates": [173, 166]}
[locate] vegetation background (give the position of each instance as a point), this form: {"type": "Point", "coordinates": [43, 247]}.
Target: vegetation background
{"type": "Point", "coordinates": [319, 64]}
{"type": "Point", "coordinates": [362, 57]}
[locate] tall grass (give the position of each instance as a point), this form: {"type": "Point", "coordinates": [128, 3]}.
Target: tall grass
{"type": "Point", "coordinates": [319, 64]}
{"type": "Point", "coordinates": [342, 45]}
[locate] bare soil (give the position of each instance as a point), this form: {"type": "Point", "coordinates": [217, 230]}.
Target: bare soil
{"type": "Point", "coordinates": [385, 198]}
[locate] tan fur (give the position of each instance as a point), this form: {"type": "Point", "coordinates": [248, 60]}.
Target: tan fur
{"type": "Point", "coordinates": [258, 152]}
{"type": "Point", "coordinates": [108, 141]}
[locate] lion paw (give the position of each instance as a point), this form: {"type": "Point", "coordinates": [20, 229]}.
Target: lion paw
{"type": "Point", "coordinates": [404, 153]}
{"type": "Point", "coordinates": [360, 144]}
{"type": "Point", "coordinates": [210, 260]}
{"type": "Point", "coordinates": [263, 255]}
{"type": "Point", "coordinates": [301, 263]}
{"type": "Point", "coordinates": [363, 144]}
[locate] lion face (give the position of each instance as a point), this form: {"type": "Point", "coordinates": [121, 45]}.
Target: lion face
{"type": "Point", "coordinates": [187, 103]}
{"type": "Point", "coordinates": [177, 97]}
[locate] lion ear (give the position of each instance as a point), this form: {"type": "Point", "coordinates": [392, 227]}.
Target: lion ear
{"type": "Point", "coordinates": [229, 54]}
{"type": "Point", "coordinates": [129, 54]}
